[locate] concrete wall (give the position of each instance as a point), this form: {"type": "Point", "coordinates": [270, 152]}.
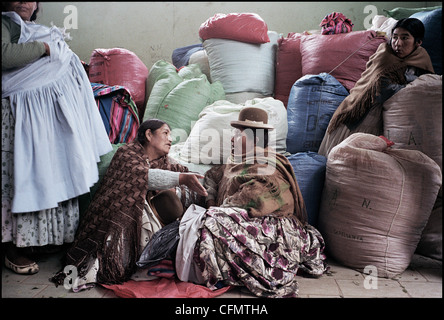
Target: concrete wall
{"type": "Point", "coordinates": [152, 30]}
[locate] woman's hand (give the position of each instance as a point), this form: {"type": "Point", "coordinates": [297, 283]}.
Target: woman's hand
{"type": "Point", "coordinates": [191, 180]}
{"type": "Point", "coordinates": [47, 49]}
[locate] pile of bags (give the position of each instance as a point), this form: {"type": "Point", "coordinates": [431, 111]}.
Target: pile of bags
{"type": "Point", "coordinates": [249, 73]}
{"type": "Point", "coordinates": [375, 203]}
{"type": "Point", "coordinates": [122, 67]}
{"type": "Point", "coordinates": [178, 96]}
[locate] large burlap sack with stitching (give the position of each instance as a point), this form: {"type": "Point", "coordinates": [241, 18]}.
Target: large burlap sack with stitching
{"type": "Point", "coordinates": [413, 120]}
{"type": "Point", "coordinates": [412, 117]}
{"type": "Point", "coordinates": [375, 203]}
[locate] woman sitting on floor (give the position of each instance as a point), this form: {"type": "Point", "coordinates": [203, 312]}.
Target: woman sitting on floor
{"type": "Point", "coordinates": [254, 232]}
{"type": "Point", "coordinates": [127, 210]}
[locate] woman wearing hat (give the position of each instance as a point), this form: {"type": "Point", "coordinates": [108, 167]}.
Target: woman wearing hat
{"type": "Point", "coordinates": [255, 177]}
{"type": "Point", "coordinates": [255, 230]}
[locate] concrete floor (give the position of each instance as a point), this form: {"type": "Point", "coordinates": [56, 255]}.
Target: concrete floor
{"type": "Point", "coordinates": [423, 279]}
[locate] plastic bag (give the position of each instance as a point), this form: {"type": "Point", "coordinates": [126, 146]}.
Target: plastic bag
{"type": "Point", "coordinates": [163, 245]}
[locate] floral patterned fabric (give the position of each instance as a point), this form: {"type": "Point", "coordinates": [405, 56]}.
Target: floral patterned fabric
{"type": "Point", "coordinates": [53, 226]}
{"type": "Point", "coordinates": [262, 253]}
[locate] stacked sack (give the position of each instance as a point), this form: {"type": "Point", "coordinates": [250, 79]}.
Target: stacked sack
{"type": "Point", "coordinates": [121, 67]}
{"type": "Point", "coordinates": [344, 56]}
{"type": "Point", "coordinates": [313, 100]}
{"type": "Point", "coordinates": [314, 73]}
{"type": "Point", "coordinates": [241, 54]}
{"type": "Point", "coordinates": [413, 128]}
{"type": "Point", "coordinates": [178, 96]}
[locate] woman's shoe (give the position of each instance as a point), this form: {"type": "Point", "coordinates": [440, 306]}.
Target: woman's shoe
{"type": "Point", "coordinates": [26, 269]}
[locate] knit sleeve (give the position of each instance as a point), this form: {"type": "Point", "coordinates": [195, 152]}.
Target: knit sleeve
{"type": "Point", "coordinates": [159, 179]}
{"type": "Point", "coordinates": [17, 54]}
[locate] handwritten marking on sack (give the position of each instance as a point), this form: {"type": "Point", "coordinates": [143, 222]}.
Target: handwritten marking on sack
{"type": "Point", "coordinates": [348, 235]}
{"type": "Point", "coordinates": [366, 203]}
{"type": "Point", "coordinates": [333, 198]}
{"type": "Point", "coordinates": [410, 139]}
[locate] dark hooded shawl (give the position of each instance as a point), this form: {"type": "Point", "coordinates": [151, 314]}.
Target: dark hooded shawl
{"type": "Point", "coordinates": [382, 64]}
{"type": "Point", "coordinates": [111, 226]}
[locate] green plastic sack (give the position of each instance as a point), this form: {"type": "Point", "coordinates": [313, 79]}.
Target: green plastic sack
{"type": "Point", "coordinates": [178, 97]}
{"type": "Point", "coordinates": [400, 13]}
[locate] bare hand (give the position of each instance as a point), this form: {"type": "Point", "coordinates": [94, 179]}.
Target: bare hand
{"type": "Point", "coordinates": [191, 180]}
{"type": "Point", "coordinates": [47, 49]}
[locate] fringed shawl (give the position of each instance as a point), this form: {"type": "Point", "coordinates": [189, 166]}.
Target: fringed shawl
{"type": "Point", "coordinates": [383, 63]}
{"type": "Point", "coordinates": [110, 228]}
{"type": "Point", "coordinates": [266, 186]}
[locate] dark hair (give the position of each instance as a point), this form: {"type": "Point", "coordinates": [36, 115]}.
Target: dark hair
{"type": "Point", "coordinates": [150, 124]}
{"type": "Point", "coordinates": [6, 8]}
{"type": "Point", "coordinates": [412, 25]}
{"type": "Point", "coordinates": [34, 14]}
{"type": "Point", "coordinates": [260, 134]}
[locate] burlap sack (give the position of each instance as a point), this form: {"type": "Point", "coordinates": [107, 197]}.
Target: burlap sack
{"type": "Point", "coordinates": [375, 203]}
{"type": "Point", "coordinates": [413, 120]}
{"type": "Point", "coordinates": [413, 117]}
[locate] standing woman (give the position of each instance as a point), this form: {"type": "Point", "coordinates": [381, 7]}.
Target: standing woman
{"type": "Point", "coordinates": [388, 70]}
{"type": "Point", "coordinates": [52, 136]}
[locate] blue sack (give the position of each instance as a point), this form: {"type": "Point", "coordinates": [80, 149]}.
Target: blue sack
{"type": "Point", "coordinates": [312, 101]}
{"type": "Point", "coordinates": [432, 41]}
{"type": "Point", "coordinates": [181, 56]}
{"type": "Point", "coordinates": [309, 168]}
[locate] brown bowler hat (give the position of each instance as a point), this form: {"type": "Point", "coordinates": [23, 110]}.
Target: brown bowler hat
{"type": "Point", "coordinates": [252, 117]}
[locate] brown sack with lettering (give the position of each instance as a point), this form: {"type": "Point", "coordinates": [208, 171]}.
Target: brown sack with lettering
{"type": "Point", "coordinates": [413, 120]}
{"type": "Point", "coordinates": [375, 203]}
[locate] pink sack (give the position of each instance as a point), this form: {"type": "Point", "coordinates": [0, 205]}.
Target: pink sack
{"type": "Point", "coordinates": [288, 65]}
{"type": "Point", "coordinates": [375, 203]}
{"type": "Point", "coordinates": [244, 27]}
{"type": "Point", "coordinates": [343, 55]}
{"type": "Point", "coordinates": [121, 67]}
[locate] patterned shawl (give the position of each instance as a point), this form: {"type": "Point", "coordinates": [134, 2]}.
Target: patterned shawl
{"type": "Point", "coordinates": [263, 187]}
{"type": "Point", "coordinates": [110, 228]}
{"type": "Point", "coordinates": [383, 63]}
